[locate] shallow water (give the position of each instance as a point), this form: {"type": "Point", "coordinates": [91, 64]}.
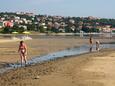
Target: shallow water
{"type": "Point", "coordinates": [60, 54]}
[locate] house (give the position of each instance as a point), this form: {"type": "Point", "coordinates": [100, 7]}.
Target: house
{"type": "Point", "coordinates": [106, 28]}
{"type": "Point", "coordinates": [8, 24]}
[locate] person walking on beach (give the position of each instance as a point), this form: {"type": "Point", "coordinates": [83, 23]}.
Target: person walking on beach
{"type": "Point", "coordinates": [23, 52]}
{"type": "Point", "coordinates": [91, 43]}
{"type": "Point", "coordinates": [97, 45]}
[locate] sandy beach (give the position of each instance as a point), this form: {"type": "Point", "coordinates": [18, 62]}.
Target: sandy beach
{"type": "Point", "coordinates": [40, 46]}
{"type": "Point", "coordinates": [36, 47]}
{"type": "Point", "coordinates": [93, 69]}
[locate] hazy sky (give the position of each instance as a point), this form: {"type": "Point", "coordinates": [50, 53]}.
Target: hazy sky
{"type": "Point", "coordinates": [82, 8]}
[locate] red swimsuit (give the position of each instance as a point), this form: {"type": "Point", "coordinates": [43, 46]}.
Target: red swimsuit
{"type": "Point", "coordinates": [22, 48]}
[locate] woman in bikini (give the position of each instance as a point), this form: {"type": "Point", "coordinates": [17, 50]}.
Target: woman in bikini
{"type": "Point", "coordinates": [23, 52]}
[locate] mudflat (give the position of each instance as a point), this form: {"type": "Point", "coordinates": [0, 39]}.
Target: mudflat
{"type": "Point", "coordinates": [36, 47]}
{"type": "Point", "coordinates": [40, 46]}
{"type": "Point", "coordinates": [94, 69]}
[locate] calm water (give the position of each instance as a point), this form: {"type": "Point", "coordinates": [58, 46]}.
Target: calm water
{"type": "Point", "coordinates": [61, 54]}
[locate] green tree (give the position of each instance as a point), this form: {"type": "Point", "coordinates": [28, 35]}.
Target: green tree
{"type": "Point", "coordinates": [42, 29]}
{"type": "Point", "coordinates": [7, 30]}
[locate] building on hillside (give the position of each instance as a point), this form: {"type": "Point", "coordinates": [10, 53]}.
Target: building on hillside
{"type": "Point", "coordinates": [23, 26]}
{"type": "Point", "coordinates": [8, 24]}
{"type": "Point", "coordinates": [106, 28]}
{"type": "Point", "coordinates": [29, 14]}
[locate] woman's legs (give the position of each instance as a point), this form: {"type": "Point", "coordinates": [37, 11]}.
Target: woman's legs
{"type": "Point", "coordinates": [24, 58]}
{"type": "Point", "coordinates": [21, 56]}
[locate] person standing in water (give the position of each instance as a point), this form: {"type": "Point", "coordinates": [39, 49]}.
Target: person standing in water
{"type": "Point", "coordinates": [97, 45]}
{"type": "Point", "coordinates": [91, 42]}
{"type": "Point", "coordinates": [23, 52]}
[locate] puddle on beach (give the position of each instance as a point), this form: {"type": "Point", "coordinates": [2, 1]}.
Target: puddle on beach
{"type": "Point", "coordinates": [60, 54]}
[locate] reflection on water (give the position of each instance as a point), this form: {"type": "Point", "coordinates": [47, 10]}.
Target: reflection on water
{"type": "Point", "coordinates": [61, 54]}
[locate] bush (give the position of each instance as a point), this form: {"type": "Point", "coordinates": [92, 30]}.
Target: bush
{"type": "Point", "coordinates": [7, 30]}
{"type": "Point", "coordinates": [42, 29]}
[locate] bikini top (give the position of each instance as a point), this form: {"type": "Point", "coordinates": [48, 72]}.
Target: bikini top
{"type": "Point", "coordinates": [23, 46]}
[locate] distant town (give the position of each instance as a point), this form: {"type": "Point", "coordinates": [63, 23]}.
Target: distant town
{"type": "Point", "coordinates": [25, 21]}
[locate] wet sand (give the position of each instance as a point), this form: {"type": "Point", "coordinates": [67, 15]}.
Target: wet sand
{"type": "Point", "coordinates": [36, 47]}
{"type": "Point", "coordinates": [94, 69]}
{"type": "Point", "coordinates": [39, 46]}
{"type": "Point", "coordinates": [83, 70]}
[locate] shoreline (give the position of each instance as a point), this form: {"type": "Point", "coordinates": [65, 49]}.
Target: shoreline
{"type": "Point", "coordinates": [38, 47]}
{"type": "Point", "coordinates": [42, 47]}
{"type": "Point", "coordinates": [56, 55]}
{"type": "Point", "coordinates": [50, 72]}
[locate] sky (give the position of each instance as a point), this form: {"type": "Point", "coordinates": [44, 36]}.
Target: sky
{"type": "Point", "coordinates": [77, 8]}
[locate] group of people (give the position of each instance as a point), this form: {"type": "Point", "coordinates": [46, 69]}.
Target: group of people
{"type": "Point", "coordinates": [23, 49]}
{"type": "Point", "coordinates": [91, 43]}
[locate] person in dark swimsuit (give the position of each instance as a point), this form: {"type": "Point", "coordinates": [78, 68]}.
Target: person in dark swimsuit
{"type": "Point", "coordinates": [23, 52]}
{"type": "Point", "coordinates": [90, 43]}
